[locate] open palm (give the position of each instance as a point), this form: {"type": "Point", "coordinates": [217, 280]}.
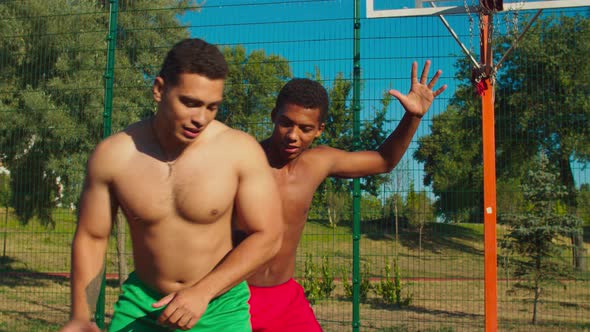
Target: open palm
{"type": "Point", "coordinates": [421, 95]}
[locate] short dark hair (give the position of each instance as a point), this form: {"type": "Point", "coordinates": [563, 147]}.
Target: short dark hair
{"type": "Point", "coordinates": [306, 93]}
{"type": "Point", "coordinates": [193, 56]}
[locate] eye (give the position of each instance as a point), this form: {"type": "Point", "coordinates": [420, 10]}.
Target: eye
{"type": "Point", "coordinates": [285, 122]}
{"type": "Point", "coordinates": [191, 103]}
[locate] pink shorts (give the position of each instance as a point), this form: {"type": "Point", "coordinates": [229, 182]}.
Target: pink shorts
{"type": "Point", "coordinates": [281, 308]}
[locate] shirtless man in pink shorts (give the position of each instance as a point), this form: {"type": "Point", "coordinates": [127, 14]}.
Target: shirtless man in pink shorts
{"type": "Point", "coordinates": [277, 302]}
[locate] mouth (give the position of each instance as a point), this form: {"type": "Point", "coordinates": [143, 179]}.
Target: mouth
{"type": "Point", "coordinates": [191, 132]}
{"type": "Point", "coordinates": [290, 149]}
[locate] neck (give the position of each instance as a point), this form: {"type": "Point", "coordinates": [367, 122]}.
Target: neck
{"type": "Point", "coordinates": [274, 156]}
{"type": "Point", "coordinates": [169, 151]}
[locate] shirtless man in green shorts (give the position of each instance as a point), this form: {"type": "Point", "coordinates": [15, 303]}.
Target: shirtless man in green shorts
{"type": "Point", "coordinates": [178, 177]}
{"type": "Point", "coordinates": [277, 302]}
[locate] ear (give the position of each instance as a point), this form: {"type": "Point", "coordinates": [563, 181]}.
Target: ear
{"type": "Point", "coordinates": [273, 114]}
{"type": "Point", "coordinates": [320, 130]}
{"type": "Point", "coordinates": [158, 89]}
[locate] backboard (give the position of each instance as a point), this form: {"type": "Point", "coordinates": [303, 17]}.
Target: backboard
{"type": "Point", "coordinates": [397, 8]}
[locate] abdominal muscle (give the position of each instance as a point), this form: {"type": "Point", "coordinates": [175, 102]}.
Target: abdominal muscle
{"type": "Point", "coordinates": [174, 254]}
{"type": "Point", "coordinates": [282, 267]}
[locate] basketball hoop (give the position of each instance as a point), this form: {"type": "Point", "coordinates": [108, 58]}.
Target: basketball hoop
{"type": "Point", "coordinates": [491, 5]}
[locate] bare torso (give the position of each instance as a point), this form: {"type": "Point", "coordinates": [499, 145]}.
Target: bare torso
{"type": "Point", "coordinates": [297, 182]}
{"type": "Point", "coordinates": [180, 219]}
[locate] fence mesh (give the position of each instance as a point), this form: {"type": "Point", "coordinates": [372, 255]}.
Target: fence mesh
{"type": "Point", "coordinates": [421, 235]}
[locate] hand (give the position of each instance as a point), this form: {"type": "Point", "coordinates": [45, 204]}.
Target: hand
{"type": "Point", "coordinates": [421, 95]}
{"type": "Point", "coordinates": [80, 326]}
{"type": "Point", "coordinates": [183, 309]}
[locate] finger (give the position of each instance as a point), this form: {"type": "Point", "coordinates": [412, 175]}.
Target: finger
{"type": "Point", "coordinates": [184, 322]}
{"type": "Point", "coordinates": [414, 72]}
{"type": "Point", "coordinates": [440, 90]}
{"type": "Point", "coordinates": [166, 314]}
{"type": "Point", "coordinates": [191, 323]}
{"type": "Point", "coordinates": [398, 95]}
{"type": "Point", "coordinates": [425, 70]}
{"type": "Point", "coordinates": [163, 301]}
{"type": "Point", "coordinates": [176, 317]}
{"type": "Point", "coordinates": [434, 79]}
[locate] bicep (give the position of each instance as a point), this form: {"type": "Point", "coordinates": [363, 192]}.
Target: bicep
{"type": "Point", "coordinates": [257, 201]}
{"type": "Point", "coordinates": [96, 204]}
{"type": "Point", "coordinates": [356, 164]}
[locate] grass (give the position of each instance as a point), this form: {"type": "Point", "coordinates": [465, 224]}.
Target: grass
{"type": "Point", "coordinates": [445, 278]}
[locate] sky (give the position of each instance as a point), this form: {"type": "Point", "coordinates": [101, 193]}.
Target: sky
{"type": "Point", "coordinates": [312, 33]}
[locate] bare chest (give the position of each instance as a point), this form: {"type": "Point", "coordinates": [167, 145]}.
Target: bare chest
{"type": "Point", "coordinates": [296, 190]}
{"type": "Point", "coordinates": [195, 188]}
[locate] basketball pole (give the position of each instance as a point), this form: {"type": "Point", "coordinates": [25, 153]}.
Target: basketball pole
{"type": "Point", "coordinates": [489, 177]}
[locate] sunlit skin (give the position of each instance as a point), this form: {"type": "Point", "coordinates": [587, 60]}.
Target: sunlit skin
{"type": "Point", "coordinates": [299, 169]}
{"type": "Point", "coordinates": [178, 178]}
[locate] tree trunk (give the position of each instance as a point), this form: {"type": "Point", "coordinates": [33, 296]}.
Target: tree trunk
{"type": "Point", "coordinates": [535, 302]}
{"type": "Point", "coordinates": [420, 237]}
{"type": "Point", "coordinates": [121, 249]}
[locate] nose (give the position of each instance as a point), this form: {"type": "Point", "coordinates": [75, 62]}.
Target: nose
{"type": "Point", "coordinates": [199, 117]}
{"type": "Point", "coordinates": [292, 133]}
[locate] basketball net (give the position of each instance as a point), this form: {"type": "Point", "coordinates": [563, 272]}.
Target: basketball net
{"type": "Point", "coordinates": [504, 21]}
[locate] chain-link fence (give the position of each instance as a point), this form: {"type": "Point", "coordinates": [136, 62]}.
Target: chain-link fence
{"type": "Point", "coordinates": [421, 234]}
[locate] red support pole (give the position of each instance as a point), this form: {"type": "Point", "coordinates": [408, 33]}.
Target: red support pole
{"type": "Point", "coordinates": [489, 181]}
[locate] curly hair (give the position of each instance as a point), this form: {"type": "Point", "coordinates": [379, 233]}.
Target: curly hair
{"type": "Point", "coordinates": [306, 93]}
{"type": "Point", "coordinates": [193, 56]}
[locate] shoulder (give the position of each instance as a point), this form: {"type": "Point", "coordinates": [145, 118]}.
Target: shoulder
{"type": "Point", "coordinates": [236, 140]}
{"type": "Point", "coordinates": [113, 151]}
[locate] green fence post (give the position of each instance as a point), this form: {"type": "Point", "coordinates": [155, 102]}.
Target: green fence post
{"type": "Point", "coordinates": [107, 128]}
{"type": "Point", "coordinates": [356, 196]}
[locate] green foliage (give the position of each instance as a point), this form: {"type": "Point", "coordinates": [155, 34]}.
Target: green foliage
{"type": "Point", "coordinates": [583, 207]}
{"type": "Point", "coordinates": [5, 192]}
{"type": "Point", "coordinates": [365, 285]}
{"type": "Point", "coordinates": [337, 206]}
{"type": "Point", "coordinates": [534, 236]}
{"type": "Point", "coordinates": [316, 286]}
{"type": "Point", "coordinates": [542, 103]}
{"type": "Point", "coordinates": [52, 74]}
{"type": "Point", "coordinates": [390, 288]}
{"type": "Point", "coordinates": [338, 133]}
{"type": "Point", "coordinates": [418, 208]}
{"type": "Point", "coordinates": [453, 168]}
{"type": "Point", "coordinates": [251, 87]}
{"type": "Point", "coordinates": [327, 285]}
{"type": "Point", "coordinates": [370, 207]}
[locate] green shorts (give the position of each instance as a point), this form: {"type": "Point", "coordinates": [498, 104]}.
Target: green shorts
{"type": "Point", "coordinates": [134, 312]}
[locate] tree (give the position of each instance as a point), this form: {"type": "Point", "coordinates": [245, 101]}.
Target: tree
{"type": "Point", "coordinates": [452, 157]}
{"type": "Point", "coordinates": [551, 109]}
{"type": "Point", "coordinates": [542, 104]}
{"type": "Point", "coordinates": [52, 78]}
{"type": "Point", "coordinates": [419, 211]}
{"type": "Point", "coordinates": [251, 88]}
{"type": "Point", "coordinates": [533, 239]}
{"type": "Point", "coordinates": [397, 182]}
{"type": "Point", "coordinates": [338, 134]}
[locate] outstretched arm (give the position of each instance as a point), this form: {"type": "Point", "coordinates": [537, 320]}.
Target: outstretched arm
{"type": "Point", "coordinates": [416, 103]}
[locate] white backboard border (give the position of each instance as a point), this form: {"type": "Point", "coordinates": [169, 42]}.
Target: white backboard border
{"type": "Point", "coordinates": [371, 12]}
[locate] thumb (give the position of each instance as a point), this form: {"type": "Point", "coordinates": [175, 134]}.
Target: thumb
{"type": "Point", "coordinates": [396, 94]}
{"type": "Point", "coordinates": [163, 301]}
